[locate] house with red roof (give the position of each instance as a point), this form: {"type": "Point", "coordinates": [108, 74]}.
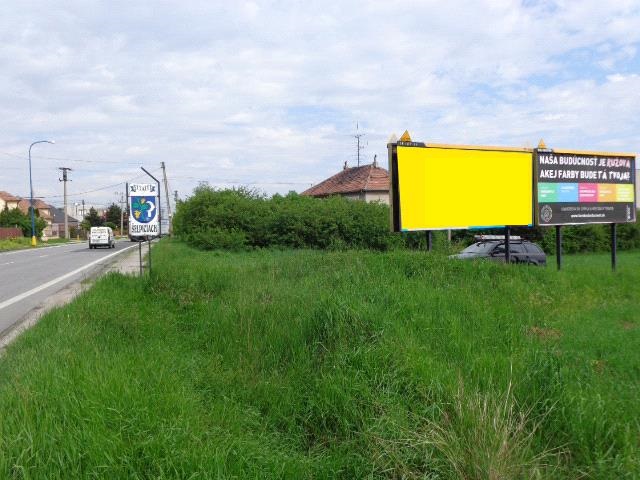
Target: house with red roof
{"type": "Point", "coordinates": [369, 183]}
{"type": "Point", "coordinates": [8, 201]}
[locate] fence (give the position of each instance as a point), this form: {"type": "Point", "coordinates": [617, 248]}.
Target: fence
{"type": "Point", "coordinates": [10, 232]}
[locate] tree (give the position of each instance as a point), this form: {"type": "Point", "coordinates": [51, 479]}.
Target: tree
{"type": "Point", "coordinates": [12, 218]}
{"type": "Point", "coordinates": [16, 218]}
{"type": "Point", "coordinates": [113, 214]}
{"type": "Point", "coordinates": [93, 218]}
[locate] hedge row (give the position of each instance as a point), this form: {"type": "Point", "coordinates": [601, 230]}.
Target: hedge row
{"type": "Point", "coordinates": [239, 219]}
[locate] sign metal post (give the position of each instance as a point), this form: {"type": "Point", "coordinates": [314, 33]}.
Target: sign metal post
{"type": "Point", "coordinates": [614, 238]}
{"type": "Point", "coordinates": [559, 246]}
{"type": "Point", "coordinates": [507, 247]}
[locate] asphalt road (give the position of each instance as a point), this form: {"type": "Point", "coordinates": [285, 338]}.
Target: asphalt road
{"type": "Point", "coordinates": [29, 277]}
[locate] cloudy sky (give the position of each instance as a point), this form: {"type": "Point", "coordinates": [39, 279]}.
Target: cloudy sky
{"type": "Point", "coordinates": [268, 94]}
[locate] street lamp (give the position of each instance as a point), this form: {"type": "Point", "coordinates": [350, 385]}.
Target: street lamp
{"type": "Point", "coordinates": [33, 219]}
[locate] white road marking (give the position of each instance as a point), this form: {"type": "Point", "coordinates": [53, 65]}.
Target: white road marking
{"type": "Point", "coordinates": [24, 295]}
{"type": "Point", "coordinates": [8, 263]}
{"type": "Point", "coordinates": [42, 256]}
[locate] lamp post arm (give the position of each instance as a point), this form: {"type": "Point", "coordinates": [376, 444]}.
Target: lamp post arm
{"type": "Point", "coordinates": [33, 217]}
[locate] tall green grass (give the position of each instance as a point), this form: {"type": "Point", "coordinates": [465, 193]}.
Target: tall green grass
{"type": "Point", "coordinates": [306, 364]}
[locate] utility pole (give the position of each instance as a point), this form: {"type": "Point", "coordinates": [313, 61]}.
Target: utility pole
{"type": "Point", "coordinates": [83, 209]}
{"type": "Point", "coordinates": [66, 219]}
{"type": "Point", "coordinates": [357, 136]}
{"type": "Point", "coordinates": [175, 197]}
{"type": "Point", "coordinates": [121, 214]}
{"type": "Point", "coordinates": [166, 191]}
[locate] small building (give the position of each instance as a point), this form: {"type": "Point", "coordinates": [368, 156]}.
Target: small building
{"type": "Point", "coordinates": [369, 183]}
{"type": "Point", "coordinates": [57, 222]}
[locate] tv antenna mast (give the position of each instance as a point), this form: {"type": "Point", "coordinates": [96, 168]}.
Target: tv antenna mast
{"type": "Point", "coordinates": [358, 136]}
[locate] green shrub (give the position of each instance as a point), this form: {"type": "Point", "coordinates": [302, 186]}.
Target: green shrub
{"type": "Point", "coordinates": [218, 238]}
{"type": "Point", "coordinates": [242, 218]}
{"type": "Point", "coordinates": [16, 218]}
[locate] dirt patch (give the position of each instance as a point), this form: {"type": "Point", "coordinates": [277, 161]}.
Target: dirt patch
{"type": "Point", "coordinates": [599, 365]}
{"type": "Point", "coordinates": [629, 326]}
{"type": "Point", "coordinates": [542, 333]}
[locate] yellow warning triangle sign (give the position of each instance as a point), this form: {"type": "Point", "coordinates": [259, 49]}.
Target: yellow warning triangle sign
{"type": "Point", "coordinates": [405, 136]}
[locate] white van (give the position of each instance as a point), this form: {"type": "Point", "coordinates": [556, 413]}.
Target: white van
{"type": "Point", "coordinates": [101, 237]}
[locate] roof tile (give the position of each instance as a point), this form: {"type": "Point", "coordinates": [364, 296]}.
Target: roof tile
{"type": "Point", "coordinates": [367, 178]}
{"type": "Point", "coordinates": [8, 197]}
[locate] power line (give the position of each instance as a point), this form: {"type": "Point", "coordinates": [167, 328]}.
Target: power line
{"type": "Point", "coordinates": [66, 159]}
{"type": "Point", "coordinates": [253, 182]}
{"type": "Point", "coordinates": [96, 189]}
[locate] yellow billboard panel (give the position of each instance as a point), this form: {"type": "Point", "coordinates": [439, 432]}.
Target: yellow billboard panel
{"type": "Point", "coordinates": [460, 187]}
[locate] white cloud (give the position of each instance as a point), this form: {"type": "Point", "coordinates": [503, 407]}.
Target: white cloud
{"type": "Point", "coordinates": [256, 92]}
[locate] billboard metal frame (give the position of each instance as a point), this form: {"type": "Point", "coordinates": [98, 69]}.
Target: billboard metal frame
{"type": "Point", "coordinates": [394, 198]}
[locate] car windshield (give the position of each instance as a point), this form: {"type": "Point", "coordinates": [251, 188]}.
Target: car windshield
{"type": "Point", "coordinates": [479, 247]}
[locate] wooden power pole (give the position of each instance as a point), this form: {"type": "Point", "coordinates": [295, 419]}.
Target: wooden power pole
{"type": "Point", "coordinates": [66, 219]}
{"type": "Point", "coordinates": [166, 192]}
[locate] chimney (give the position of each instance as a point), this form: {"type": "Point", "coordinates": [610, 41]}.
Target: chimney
{"type": "Point", "coordinates": [345, 165]}
{"type": "Point", "coordinates": [375, 161]}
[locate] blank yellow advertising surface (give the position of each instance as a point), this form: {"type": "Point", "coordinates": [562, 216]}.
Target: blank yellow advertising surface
{"type": "Point", "coordinates": [451, 188]}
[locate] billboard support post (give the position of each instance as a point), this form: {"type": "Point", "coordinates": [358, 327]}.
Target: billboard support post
{"type": "Point", "coordinates": [140, 256]}
{"type": "Point", "coordinates": [149, 242]}
{"type": "Point", "coordinates": [429, 240]}
{"type": "Point", "coordinates": [559, 246]}
{"type": "Point", "coordinates": [613, 246]}
{"type": "Point", "coordinates": [507, 247]}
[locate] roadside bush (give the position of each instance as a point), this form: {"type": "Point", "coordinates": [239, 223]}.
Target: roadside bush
{"type": "Point", "coordinates": [218, 238]}
{"type": "Point", "coordinates": [243, 218]}
{"type": "Point", "coordinates": [16, 218]}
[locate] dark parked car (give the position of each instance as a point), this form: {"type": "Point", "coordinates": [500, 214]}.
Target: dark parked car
{"type": "Point", "coordinates": [492, 247]}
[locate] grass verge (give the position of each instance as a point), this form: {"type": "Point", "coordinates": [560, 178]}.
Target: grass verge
{"type": "Point", "coordinates": [305, 364]}
{"type": "Point", "coordinates": [23, 242]}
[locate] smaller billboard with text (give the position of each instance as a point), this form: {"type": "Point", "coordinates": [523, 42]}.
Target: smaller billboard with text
{"type": "Point", "coordinates": [575, 188]}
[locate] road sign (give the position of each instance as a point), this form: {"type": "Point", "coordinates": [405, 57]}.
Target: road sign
{"type": "Point", "coordinates": [144, 201]}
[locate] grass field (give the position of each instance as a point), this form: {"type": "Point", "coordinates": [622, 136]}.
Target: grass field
{"type": "Point", "coordinates": [306, 364]}
{"type": "Point", "coordinates": [24, 242]}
